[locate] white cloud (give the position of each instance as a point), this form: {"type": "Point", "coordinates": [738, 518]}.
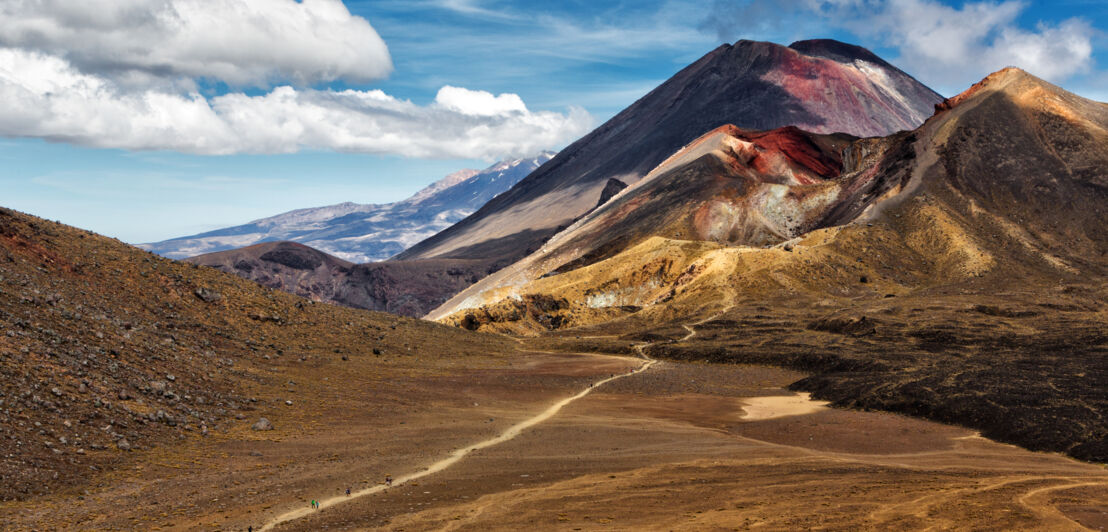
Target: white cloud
{"type": "Point", "coordinates": [47, 97]}
{"type": "Point", "coordinates": [478, 103]}
{"type": "Point", "coordinates": [946, 47]}
{"type": "Point", "coordinates": [471, 7]}
{"type": "Point", "coordinates": [240, 42]}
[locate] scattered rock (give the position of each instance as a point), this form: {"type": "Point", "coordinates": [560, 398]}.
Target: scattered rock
{"type": "Point", "coordinates": [262, 424]}
{"type": "Point", "coordinates": [123, 444]}
{"type": "Point", "coordinates": [208, 296]}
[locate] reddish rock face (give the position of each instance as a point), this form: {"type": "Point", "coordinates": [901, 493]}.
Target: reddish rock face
{"type": "Point", "coordinates": [797, 149]}
{"type": "Point", "coordinates": [851, 91]}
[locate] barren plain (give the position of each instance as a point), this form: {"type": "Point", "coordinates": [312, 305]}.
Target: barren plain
{"type": "Point", "coordinates": [671, 447]}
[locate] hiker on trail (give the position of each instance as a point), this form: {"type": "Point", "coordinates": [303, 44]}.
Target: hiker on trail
{"type": "Point", "coordinates": [388, 480]}
{"type": "Point", "coordinates": [347, 492]}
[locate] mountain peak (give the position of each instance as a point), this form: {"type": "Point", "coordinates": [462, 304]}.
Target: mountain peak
{"type": "Point", "coordinates": [1009, 80]}
{"type": "Point", "coordinates": [836, 51]}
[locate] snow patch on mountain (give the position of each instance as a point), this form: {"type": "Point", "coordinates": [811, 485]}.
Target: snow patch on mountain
{"type": "Point", "coordinates": [366, 232]}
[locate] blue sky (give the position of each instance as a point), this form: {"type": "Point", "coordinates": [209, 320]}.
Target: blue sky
{"type": "Point", "coordinates": [369, 100]}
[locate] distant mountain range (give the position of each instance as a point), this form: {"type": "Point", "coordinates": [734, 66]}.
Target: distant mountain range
{"type": "Point", "coordinates": [366, 233]}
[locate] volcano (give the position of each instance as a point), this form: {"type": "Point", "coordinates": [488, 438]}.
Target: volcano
{"type": "Point", "coordinates": [820, 86]}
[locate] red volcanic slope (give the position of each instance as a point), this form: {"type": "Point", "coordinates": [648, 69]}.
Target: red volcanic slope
{"type": "Point", "coordinates": [731, 185]}
{"type": "Point", "coordinates": [795, 146]}
{"type": "Point", "coordinates": [843, 99]}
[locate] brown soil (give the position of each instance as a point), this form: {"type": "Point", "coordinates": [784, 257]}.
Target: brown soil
{"type": "Point", "coordinates": [664, 449]}
{"type": "Point", "coordinates": [351, 435]}
{"type": "Point", "coordinates": [642, 455]}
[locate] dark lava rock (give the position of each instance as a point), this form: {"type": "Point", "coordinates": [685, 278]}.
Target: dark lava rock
{"type": "Point", "coordinates": [862, 326]}
{"type": "Point", "coordinates": [611, 188]}
{"type": "Point", "coordinates": [297, 258]}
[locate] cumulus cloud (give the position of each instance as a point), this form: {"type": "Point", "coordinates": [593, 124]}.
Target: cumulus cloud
{"type": "Point", "coordinates": [255, 43]}
{"type": "Point", "coordinates": [947, 47]}
{"type": "Point", "coordinates": [478, 103]}
{"type": "Point", "coordinates": [947, 44]}
{"type": "Point", "coordinates": [47, 97]}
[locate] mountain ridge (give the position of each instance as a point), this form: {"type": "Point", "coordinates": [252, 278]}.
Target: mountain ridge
{"type": "Point", "coordinates": [365, 232]}
{"type": "Point", "coordinates": [407, 288]}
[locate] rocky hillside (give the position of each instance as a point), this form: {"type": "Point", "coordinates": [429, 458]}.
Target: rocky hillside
{"type": "Point", "coordinates": [409, 288]}
{"type": "Point", "coordinates": [820, 86]}
{"type": "Point", "coordinates": [366, 233]}
{"type": "Point", "coordinates": [106, 349]}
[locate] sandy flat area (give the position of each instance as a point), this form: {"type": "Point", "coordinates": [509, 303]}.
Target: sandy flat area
{"type": "Point", "coordinates": [773, 407]}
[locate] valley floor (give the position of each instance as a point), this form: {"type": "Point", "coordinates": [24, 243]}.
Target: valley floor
{"type": "Point", "coordinates": [668, 448]}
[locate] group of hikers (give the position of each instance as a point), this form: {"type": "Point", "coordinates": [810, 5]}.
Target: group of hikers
{"type": "Point", "coordinates": [315, 504]}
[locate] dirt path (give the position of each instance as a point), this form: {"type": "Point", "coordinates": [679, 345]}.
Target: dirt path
{"type": "Point", "coordinates": [690, 326]}
{"type": "Point", "coordinates": [680, 440]}
{"type": "Point", "coordinates": [507, 435]}
{"type": "Point", "coordinates": [457, 455]}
